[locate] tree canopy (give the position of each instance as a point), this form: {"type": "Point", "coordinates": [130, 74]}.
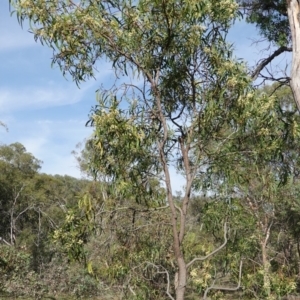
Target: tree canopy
{"type": "Point", "coordinates": [183, 103]}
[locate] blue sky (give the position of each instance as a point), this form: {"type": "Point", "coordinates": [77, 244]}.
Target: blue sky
{"type": "Point", "coordinates": [47, 113]}
{"type": "Point", "coordinates": [42, 110]}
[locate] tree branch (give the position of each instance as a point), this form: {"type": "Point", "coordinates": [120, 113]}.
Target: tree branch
{"type": "Point", "coordinates": [224, 288]}
{"type": "Point", "coordinates": [5, 241]}
{"type": "Point", "coordinates": [163, 272]}
{"type": "Point", "coordinates": [213, 252]}
{"type": "Point", "coordinates": [266, 61]}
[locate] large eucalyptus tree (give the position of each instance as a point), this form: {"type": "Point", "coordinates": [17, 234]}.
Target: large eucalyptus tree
{"type": "Point", "coordinates": [183, 99]}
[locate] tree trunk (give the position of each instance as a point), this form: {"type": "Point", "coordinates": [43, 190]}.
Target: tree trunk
{"type": "Point", "coordinates": [182, 277]}
{"type": "Point", "coordinates": [266, 269]}
{"type": "Point", "coordinates": [293, 10]}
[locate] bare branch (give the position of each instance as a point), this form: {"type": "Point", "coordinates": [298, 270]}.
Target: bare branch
{"type": "Point", "coordinates": [224, 288]}
{"type": "Point", "coordinates": [4, 125]}
{"type": "Point", "coordinates": [22, 212]}
{"type": "Point", "coordinates": [132, 208]}
{"type": "Point", "coordinates": [267, 60]}
{"type": "Point", "coordinates": [282, 80]}
{"type": "Point", "coordinates": [18, 194]}
{"type": "Point", "coordinates": [5, 241]}
{"type": "Point", "coordinates": [131, 290]}
{"type": "Point", "coordinates": [51, 221]}
{"type": "Point", "coordinates": [211, 253]}
{"type": "Point", "coordinates": [163, 272]}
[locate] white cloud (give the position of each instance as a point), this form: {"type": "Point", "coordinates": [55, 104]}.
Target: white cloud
{"type": "Point", "coordinates": [36, 97]}
{"type": "Point", "coordinates": [35, 145]}
{"type": "Point", "coordinates": [47, 95]}
{"type": "Point", "coordinates": [52, 142]}
{"type": "Point", "coordinates": [62, 165]}
{"type": "Point", "coordinates": [15, 39]}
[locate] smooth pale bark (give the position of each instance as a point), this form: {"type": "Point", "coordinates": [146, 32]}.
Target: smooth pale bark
{"type": "Point", "coordinates": [182, 279]}
{"type": "Point", "coordinates": [293, 10]}
{"type": "Point", "coordinates": [266, 229]}
{"type": "Point", "coordinates": [266, 269]}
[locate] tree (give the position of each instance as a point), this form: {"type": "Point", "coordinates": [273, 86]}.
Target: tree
{"type": "Point", "coordinates": [265, 163]}
{"type": "Point", "coordinates": [17, 168]}
{"type": "Point", "coordinates": [186, 99]}
{"type": "Point", "coordinates": [32, 206]}
{"type": "Point", "coordinates": [279, 22]}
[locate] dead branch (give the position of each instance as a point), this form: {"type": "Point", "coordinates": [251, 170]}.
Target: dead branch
{"type": "Point", "coordinates": [213, 252]}
{"type": "Point", "coordinates": [267, 60]}
{"type": "Point", "coordinates": [224, 288]}
{"type": "Point", "coordinates": [165, 271]}
{"type": "Point", "coordinates": [5, 241]}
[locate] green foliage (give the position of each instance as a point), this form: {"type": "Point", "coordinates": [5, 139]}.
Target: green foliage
{"type": "Point", "coordinates": [189, 106]}
{"type": "Point", "coordinates": [271, 19]}
{"type": "Point", "coordinates": [144, 33]}
{"type": "Point", "coordinates": [264, 141]}
{"type": "Point", "coordinates": [124, 154]}
{"type": "Point", "coordinates": [16, 276]}
{"type": "Point", "coordinates": [15, 156]}
{"type": "Point", "coordinates": [131, 241]}
{"type": "Point", "coordinates": [32, 206]}
{"type": "Point", "coordinates": [76, 229]}
{"type": "Point", "coordinates": [18, 167]}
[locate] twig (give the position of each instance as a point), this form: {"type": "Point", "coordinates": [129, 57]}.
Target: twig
{"type": "Point", "coordinates": [131, 290]}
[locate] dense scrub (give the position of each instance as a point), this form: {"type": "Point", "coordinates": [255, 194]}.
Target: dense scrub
{"type": "Point", "coordinates": [65, 237]}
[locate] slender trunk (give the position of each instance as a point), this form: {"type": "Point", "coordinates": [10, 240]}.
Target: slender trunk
{"type": "Point", "coordinates": [266, 228]}
{"type": "Point", "coordinates": [180, 281]}
{"type": "Point", "coordinates": [182, 278]}
{"type": "Point", "coordinates": [12, 226]}
{"type": "Point", "coordinates": [12, 229]}
{"type": "Point", "coordinates": [293, 10]}
{"type": "Point", "coordinates": [298, 255]}
{"type": "Point", "coordinates": [266, 269]}
{"type": "Point", "coordinates": [181, 275]}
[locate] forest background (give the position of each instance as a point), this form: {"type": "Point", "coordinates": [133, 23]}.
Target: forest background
{"type": "Point", "coordinates": [188, 105]}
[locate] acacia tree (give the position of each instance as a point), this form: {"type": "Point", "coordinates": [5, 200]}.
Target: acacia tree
{"type": "Point", "coordinates": [185, 99]}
